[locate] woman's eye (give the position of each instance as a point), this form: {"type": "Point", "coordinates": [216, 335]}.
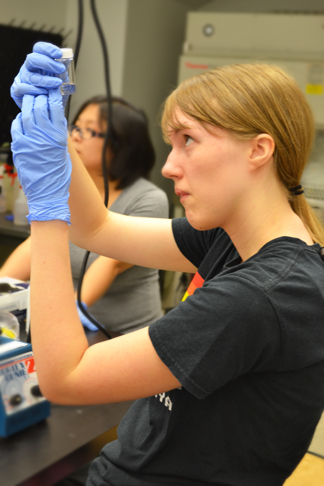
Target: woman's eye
{"type": "Point", "coordinates": [188, 140]}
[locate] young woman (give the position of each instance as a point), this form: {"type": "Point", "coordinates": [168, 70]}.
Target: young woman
{"type": "Point", "coordinates": [230, 382]}
{"type": "Point", "coordinates": [122, 297]}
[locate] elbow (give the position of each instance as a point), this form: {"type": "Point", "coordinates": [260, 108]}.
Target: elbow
{"type": "Point", "coordinates": [121, 267]}
{"type": "Point", "coordinates": [49, 393]}
{"type": "Point", "coordinates": [54, 393]}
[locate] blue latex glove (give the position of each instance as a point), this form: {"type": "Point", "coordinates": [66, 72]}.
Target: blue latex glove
{"type": "Point", "coordinates": [39, 72]}
{"type": "Point", "coordinates": [39, 148]}
{"type": "Point", "coordinates": [84, 320]}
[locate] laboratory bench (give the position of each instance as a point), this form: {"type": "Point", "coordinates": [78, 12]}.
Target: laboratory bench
{"type": "Point", "coordinates": [47, 452]}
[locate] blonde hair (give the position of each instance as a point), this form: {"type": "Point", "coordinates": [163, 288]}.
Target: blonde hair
{"type": "Point", "coordinates": [246, 100]}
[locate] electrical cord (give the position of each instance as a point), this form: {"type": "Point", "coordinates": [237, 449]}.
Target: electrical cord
{"type": "Point", "coordinates": [109, 136]}
{"type": "Point", "coordinates": [77, 49]}
{"type": "Point", "coordinates": [79, 35]}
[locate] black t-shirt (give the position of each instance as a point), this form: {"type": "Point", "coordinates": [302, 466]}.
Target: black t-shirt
{"type": "Point", "coordinates": [247, 345]}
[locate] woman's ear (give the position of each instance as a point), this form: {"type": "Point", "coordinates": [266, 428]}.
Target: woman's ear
{"type": "Point", "coordinates": [262, 148]}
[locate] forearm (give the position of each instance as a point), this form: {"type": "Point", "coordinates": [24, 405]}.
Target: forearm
{"type": "Point", "coordinates": [87, 209]}
{"type": "Point", "coordinates": [99, 277]}
{"type": "Point", "coordinates": [146, 242]}
{"type": "Point", "coordinates": [54, 319]}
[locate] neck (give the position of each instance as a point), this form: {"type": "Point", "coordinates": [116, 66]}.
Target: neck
{"type": "Point", "coordinates": [270, 218]}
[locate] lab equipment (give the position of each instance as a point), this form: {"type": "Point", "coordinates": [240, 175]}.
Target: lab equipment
{"type": "Point", "coordinates": [46, 176]}
{"type": "Point", "coordinates": [14, 298]}
{"type": "Point", "coordinates": [20, 209]}
{"type": "Point", "coordinates": [9, 325]}
{"type": "Point", "coordinates": [68, 76]}
{"type": "Point", "coordinates": [217, 38]}
{"type": "Point", "coordinates": [313, 177]}
{"type": "Point", "coordinates": [21, 401]}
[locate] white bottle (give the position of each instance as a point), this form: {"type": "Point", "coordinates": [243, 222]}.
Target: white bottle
{"type": "Point", "coordinates": [20, 209]}
{"type": "Point", "coordinates": [3, 195]}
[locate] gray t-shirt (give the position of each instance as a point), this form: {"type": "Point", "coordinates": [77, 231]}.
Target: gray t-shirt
{"type": "Point", "coordinates": [133, 300]}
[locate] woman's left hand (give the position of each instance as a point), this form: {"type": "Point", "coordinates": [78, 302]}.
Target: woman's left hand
{"type": "Point", "coordinates": [39, 72]}
{"type": "Point", "coordinates": [39, 147]}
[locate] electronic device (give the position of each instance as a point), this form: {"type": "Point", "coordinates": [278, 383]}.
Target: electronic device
{"type": "Point", "coordinates": [21, 401]}
{"type": "Point", "coordinates": [14, 298]}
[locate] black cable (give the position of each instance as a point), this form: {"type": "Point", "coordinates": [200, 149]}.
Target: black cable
{"type": "Point", "coordinates": [76, 50]}
{"type": "Point", "coordinates": [109, 132]}
{"type": "Point", "coordinates": [79, 35]}
{"type": "Point", "coordinates": [108, 137]}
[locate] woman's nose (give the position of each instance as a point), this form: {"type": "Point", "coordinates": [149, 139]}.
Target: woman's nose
{"type": "Point", "coordinates": [171, 169]}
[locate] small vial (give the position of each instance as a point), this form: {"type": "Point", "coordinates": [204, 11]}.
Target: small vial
{"type": "Point", "coordinates": [68, 76]}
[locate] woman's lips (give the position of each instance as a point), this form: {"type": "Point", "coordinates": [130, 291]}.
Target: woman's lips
{"type": "Point", "coordinates": [182, 195]}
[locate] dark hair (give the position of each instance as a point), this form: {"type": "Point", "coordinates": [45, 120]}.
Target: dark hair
{"type": "Point", "coordinates": [133, 152]}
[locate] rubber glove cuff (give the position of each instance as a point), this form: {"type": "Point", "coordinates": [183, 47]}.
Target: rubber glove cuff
{"type": "Point", "coordinates": [39, 213]}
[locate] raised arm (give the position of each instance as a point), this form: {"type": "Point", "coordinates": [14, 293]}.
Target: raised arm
{"type": "Point", "coordinates": [119, 237]}
{"type": "Point", "coordinates": [147, 242]}
{"type": "Point", "coordinates": [69, 371]}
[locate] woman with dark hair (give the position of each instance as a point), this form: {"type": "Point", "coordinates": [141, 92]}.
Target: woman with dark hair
{"type": "Point", "coordinates": [132, 154]}
{"type": "Point", "coordinates": [121, 296]}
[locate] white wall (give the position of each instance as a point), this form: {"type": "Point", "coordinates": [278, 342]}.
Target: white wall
{"type": "Point", "coordinates": [155, 34]}
{"type": "Point", "coordinates": [90, 79]}
{"type": "Point", "coordinates": [41, 12]}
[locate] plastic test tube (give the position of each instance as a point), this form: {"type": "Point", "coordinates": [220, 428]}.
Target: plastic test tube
{"type": "Point", "coordinates": [68, 76]}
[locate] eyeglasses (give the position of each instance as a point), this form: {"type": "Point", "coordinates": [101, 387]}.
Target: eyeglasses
{"type": "Point", "coordinates": [84, 133]}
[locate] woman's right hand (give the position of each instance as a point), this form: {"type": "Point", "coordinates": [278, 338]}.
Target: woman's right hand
{"type": "Point", "coordinates": [39, 72]}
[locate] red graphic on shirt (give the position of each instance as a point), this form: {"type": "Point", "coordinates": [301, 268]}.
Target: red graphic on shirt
{"type": "Point", "coordinates": [195, 283]}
